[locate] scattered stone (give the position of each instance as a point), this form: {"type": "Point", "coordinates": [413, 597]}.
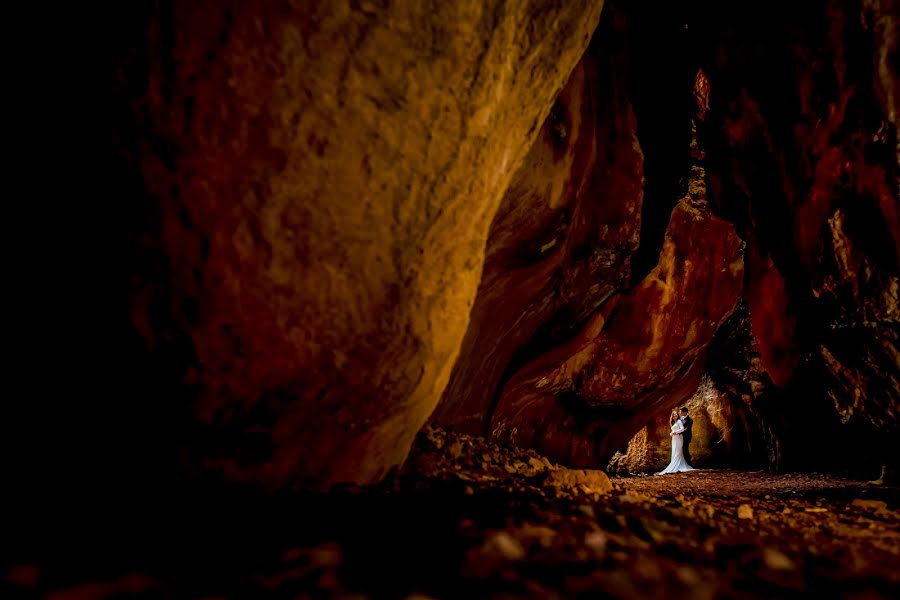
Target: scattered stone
{"type": "Point", "coordinates": [508, 546]}
{"type": "Point", "coordinates": [498, 550]}
{"type": "Point", "coordinates": [592, 481]}
{"type": "Point", "coordinates": [566, 517]}
{"type": "Point", "coordinates": [687, 576]}
{"type": "Point", "coordinates": [654, 536]}
{"type": "Point", "coordinates": [872, 504]}
{"type": "Point", "coordinates": [634, 497]}
{"type": "Point", "coordinates": [455, 450]}
{"type": "Point", "coordinates": [596, 541]}
{"type": "Point", "coordinates": [539, 534]}
{"type": "Point", "coordinates": [776, 560]}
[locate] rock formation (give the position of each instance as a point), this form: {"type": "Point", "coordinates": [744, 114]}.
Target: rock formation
{"type": "Point", "coordinates": [562, 239]}
{"type": "Point", "coordinates": [712, 444]}
{"type": "Point", "coordinates": [739, 415]}
{"type": "Point", "coordinates": [331, 217]}
{"type": "Point", "coordinates": [323, 178]}
{"type": "Point", "coordinates": [803, 158]}
{"type": "Point", "coordinates": [568, 422]}
{"type": "Point", "coordinates": [642, 350]}
{"type": "Point", "coordinates": [755, 409]}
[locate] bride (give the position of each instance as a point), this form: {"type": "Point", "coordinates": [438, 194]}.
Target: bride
{"type": "Point", "coordinates": [678, 463]}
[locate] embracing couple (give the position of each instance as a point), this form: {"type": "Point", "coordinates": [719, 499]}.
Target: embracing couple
{"type": "Point", "coordinates": [681, 440]}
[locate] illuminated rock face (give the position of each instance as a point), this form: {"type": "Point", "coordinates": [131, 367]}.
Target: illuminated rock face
{"type": "Point", "coordinates": [802, 156]}
{"type": "Point", "coordinates": [739, 415]}
{"type": "Point", "coordinates": [711, 443]}
{"type": "Point", "coordinates": [641, 352]}
{"type": "Point", "coordinates": [571, 384]}
{"type": "Point", "coordinates": [324, 177]}
{"type": "Point", "coordinates": [347, 212]}
{"type": "Point", "coordinates": [561, 242]}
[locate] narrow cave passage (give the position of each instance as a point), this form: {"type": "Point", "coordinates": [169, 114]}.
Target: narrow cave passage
{"type": "Point", "coordinates": [395, 299]}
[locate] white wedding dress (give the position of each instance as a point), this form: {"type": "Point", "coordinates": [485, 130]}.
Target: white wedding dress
{"type": "Point", "coordinates": [678, 463]}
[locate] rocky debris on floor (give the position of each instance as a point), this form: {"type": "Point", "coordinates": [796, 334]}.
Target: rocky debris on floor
{"type": "Point", "coordinates": [442, 454]}
{"type": "Point", "coordinates": [466, 518]}
{"type": "Point", "coordinates": [876, 505]}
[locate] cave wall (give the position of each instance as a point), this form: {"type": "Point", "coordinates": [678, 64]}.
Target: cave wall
{"type": "Point", "coordinates": [765, 425]}
{"type": "Point", "coordinates": [716, 420]}
{"type": "Point", "coordinates": [329, 217]}
{"type": "Point", "coordinates": [741, 419]}
{"type": "Point", "coordinates": [800, 135]}
{"type": "Point", "coordinates": [803, 157]}
{"type": "Point", "coordinates": [320, 181]}
{"type": "Point", "coordinates": [562, 239]}
{"type": "Point", "coordinates": [552, 311]}
{"type": "Point", "coordinates": [644, 349]}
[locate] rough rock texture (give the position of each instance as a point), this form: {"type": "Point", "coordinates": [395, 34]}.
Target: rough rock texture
{"type": "Point", "coordinates": [561, 241]}
{"type": "Point", "coordinates": [580, 387]}
{"type": "Point", "coordinates": [302, 198]}
{"type": "Point", "coordinates": [584, 399]}
{"type": "Point", "coordinates": [449, 527]}
{"type": "Point", "coordinates": [572, 385]}
{"type": "Point", "coordinates": [741, 419]}
{"type": "Point", "coordinates": [650, 450]}
{"type": "Point", "coordinates": [803, 157]}
{"type": "Point", "coordinates": [442, 454]}
{"type": "Point", "coordinates": [323, 178]}
{"type": "Point", "coordinates": [757, 419]}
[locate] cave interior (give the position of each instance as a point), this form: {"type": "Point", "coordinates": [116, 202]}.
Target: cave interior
{"type": "Point", "coordinates": [395, 298]}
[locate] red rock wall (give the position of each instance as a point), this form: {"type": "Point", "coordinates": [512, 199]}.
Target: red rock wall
{"type": "Point", "coordinates": [323, 178]}
{"type": "Point", "coordinates": [741, 419]}
{"type": "Point", "coordinates": [581, 401]}
{"type": "Point", "coordinates": [561, 241]}
{"type": "Point", "coordinates": [803, 148]}
{"type": "Point", "coordinates": [760, 415]}
{"type": "Point", "coordinates": [329, 217]}
{"type": "Point", "coordinates": [715, 420]}
{"type": "Point", "coordinates": [548, 314]}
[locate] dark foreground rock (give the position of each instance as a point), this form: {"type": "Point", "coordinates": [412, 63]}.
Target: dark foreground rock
{"type": "Point", "coordinates": [470, 519]}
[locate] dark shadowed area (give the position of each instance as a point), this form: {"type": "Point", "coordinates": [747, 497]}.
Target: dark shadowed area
{"type": "Point", "coordinates": [395, 299]}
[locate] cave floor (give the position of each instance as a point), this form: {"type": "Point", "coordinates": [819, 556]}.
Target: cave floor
{"type": "Point", "coordinates": [467, 519]}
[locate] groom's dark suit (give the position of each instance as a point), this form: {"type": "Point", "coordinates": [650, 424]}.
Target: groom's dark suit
{"type": "Point", "coordinates": [686, 436]}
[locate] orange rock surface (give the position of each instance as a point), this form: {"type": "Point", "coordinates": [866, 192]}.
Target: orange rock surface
{"type": "Point", "coordinates": [324, 178]}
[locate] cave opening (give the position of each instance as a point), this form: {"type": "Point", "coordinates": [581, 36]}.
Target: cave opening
{"type": "Point", "coordinates": [397, 299]}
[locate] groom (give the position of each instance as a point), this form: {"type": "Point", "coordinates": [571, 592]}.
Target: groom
{"type": "Point", "coordinates": [688, 423]}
